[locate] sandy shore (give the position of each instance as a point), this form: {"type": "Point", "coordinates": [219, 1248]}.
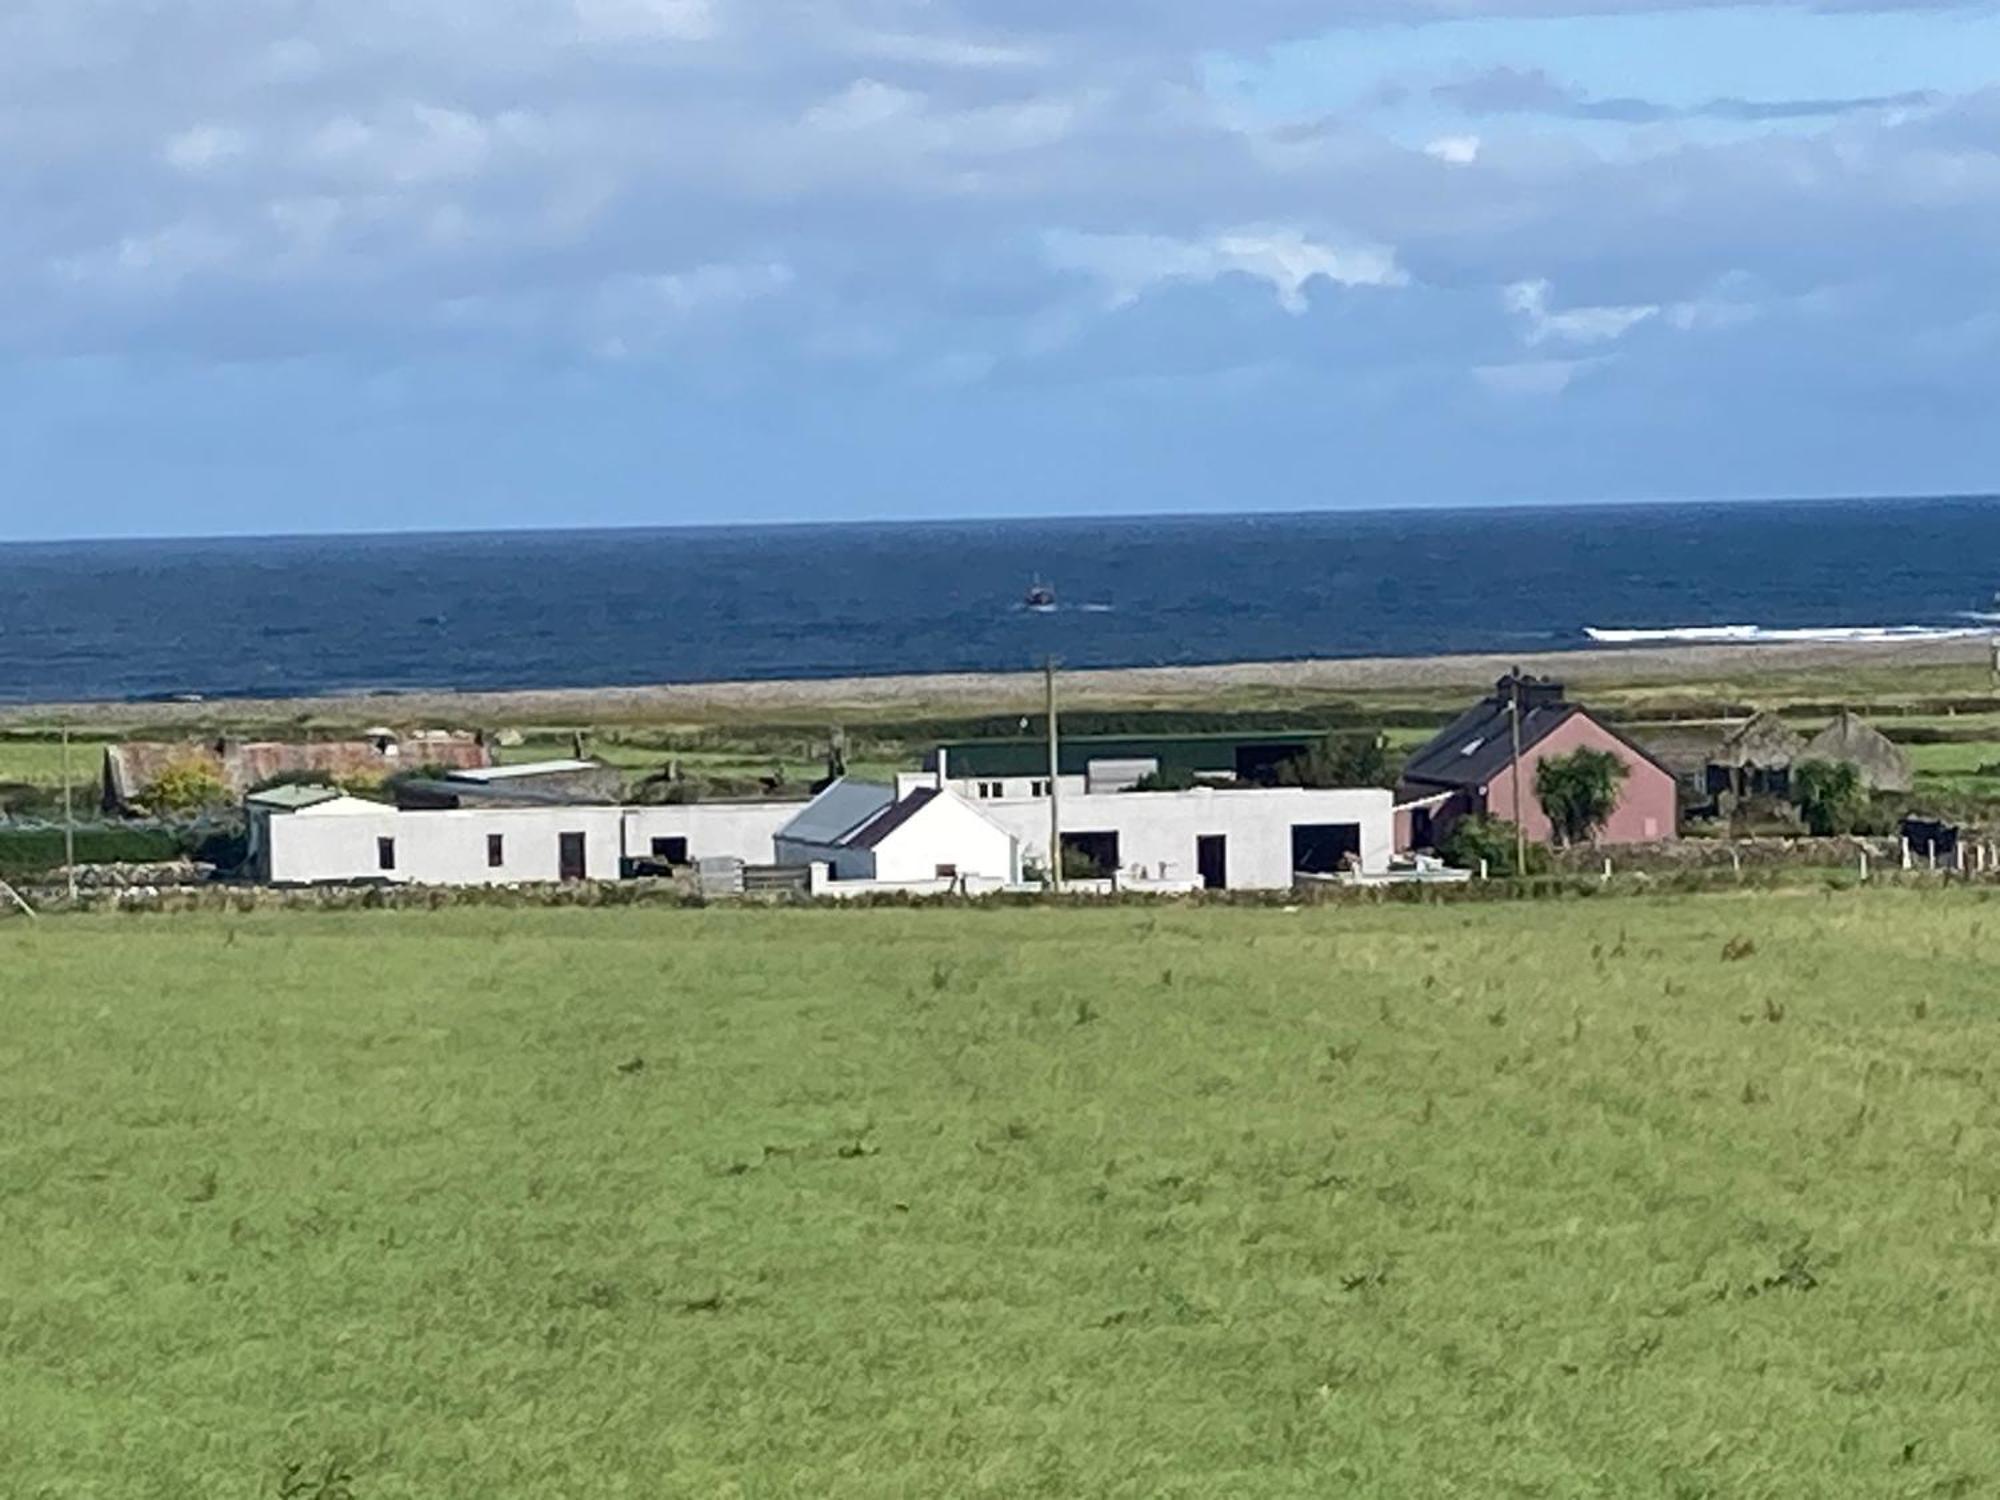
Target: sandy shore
{"type": "Point", "coordinates": [978, 693]}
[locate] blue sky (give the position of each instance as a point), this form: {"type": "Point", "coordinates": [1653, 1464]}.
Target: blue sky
{"type": "Point", "coordinates": [322, 265]}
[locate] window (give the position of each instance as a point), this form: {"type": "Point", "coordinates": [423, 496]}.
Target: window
{"type": "Point", "coordinates": [496, 851]}
{"type": "Point", "coordinates": [991, 790]}
{"type": "Point", "coordinates": [385, 854]}
{"type": "Point", "coordinates": [1039, 789]}
{"type": "Point", "coordinates": [1089, 856]}
{"type": "Point", "coordinates": [947, 872]}
{"type": "Point", "coordinates": [673, 851]}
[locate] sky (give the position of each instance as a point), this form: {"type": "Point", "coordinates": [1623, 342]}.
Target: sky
{"type": "Point", "coordinates": [346, 265]}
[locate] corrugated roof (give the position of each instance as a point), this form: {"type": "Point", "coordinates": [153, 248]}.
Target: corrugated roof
{"type": "Point", "coordinates": [839, 811]}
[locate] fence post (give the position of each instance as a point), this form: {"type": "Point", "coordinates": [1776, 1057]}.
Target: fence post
{"type": "Point", "coordinates": [1931, 853]}
{"type": "Point", "coordinates": [1906, 851]}
{"type": "Point", "coordinates": [1482, 869]}
{"type": "Point", "coordinates": [1864, 865]}
{"type": "Point", "coordinates": [1736, 861]}
{"type": "Point", "coordinates": [1607, 869]}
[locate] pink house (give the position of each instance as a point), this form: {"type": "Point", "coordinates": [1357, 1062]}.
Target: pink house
{"type": "Point", "coordinates": [1469, 769]}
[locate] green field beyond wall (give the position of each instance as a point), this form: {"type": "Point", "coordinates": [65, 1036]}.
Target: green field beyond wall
{"type": "Point", "coordinates": [1636, 1198]}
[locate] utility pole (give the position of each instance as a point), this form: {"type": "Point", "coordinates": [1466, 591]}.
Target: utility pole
{"type": "Point", "coordinates": [1055, 786]}
{"type": "Point", "coordinates": [69, 821]}
{"type": "Point", "coordinates": [1520, 813]}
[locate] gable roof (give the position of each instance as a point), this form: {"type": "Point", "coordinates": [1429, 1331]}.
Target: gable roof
{"type": "Point", "coordinates": [1479, 744]}
{"type": "Point", "coordinates": [886, 822]}
{"type": "Point", "coordinates": [841, 809]}
{"type": "Point", "coordinates": [1764, 740]}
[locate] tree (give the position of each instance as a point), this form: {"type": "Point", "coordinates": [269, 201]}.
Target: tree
{"type": "Point", "coordinates": [1471, 840]}
{"type": "Point", "coordinates": [1579, 791]}
{"type": "Point", "coordinates": [186, 786]}
{"type": "Point", "coordinates": [1340, 760]}
{"type": "Point", "coordinates": [1831, 796]}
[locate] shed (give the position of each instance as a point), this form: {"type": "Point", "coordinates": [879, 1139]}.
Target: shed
{"type": "Point", "coordinates": [1755, 759]}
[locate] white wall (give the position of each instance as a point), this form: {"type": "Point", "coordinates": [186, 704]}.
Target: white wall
{"type": "Point", "coordinates": [1157, 830]}
{"type": "Point", "coordinates": [449, 847]}
{"type": "Point", "coordinates": [947, 831]}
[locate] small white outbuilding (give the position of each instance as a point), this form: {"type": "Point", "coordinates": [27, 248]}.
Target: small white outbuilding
{"type": "Point", "coordinates": [862, 831]}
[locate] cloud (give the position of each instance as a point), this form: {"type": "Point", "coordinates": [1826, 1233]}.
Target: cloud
{"type": "Point", "coordinates": [1575, 325]}
{"type": "Point", "coordinates": [1534, 91]}
{"type": "Point", "coordinates": [1284, 259]}
{"type": "Point", "coordinates": [1532, 379]}
{"type": "Point", "coordinates": [1454, 150]}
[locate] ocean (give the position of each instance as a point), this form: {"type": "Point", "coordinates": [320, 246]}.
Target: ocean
{"type": "Point", "coordinates": [310, 615]}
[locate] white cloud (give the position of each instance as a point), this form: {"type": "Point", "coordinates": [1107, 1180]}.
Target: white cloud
{"type": "Point", "coordinates": [202, 147]}
{"type": "Point", "coordinates": [1454, 150]}
{"type": "Point", "coordinates": [646, 20]}
{"type": "Point", "coordinates": [864, 105]}
{"type": "Point", "coordinates": [1130, 265]}
{"type": "Point", "coordinates": [1575, 325]}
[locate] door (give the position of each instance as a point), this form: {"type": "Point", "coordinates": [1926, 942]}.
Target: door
{"type": "Point", "coordinates": [571, 861]}
{"type": "Point", "coordinates": [1211, 859]}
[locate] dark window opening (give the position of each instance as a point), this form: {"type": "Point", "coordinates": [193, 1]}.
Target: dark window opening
{"type": "Point", "coordinates": [1089, 856]}
{"type": "Point", "coordinates": [571, 863]}
{"type": "Point", "coordinates": [496, 851]}
{"type": "Point", "coordinates": [947, 872]}
{"type": "Point", "coordinates": [385, 854]}
{"type": "Point", "coordinates": [1423, 829]}
{"type": "Point", "coordinates": [1211, 859]}
{"type": "Point", "coordinates": [672, 851]}
{"type": "Point", "coordinates": [1325, 848]}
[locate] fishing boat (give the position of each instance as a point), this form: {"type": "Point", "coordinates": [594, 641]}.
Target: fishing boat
{"type": "Point", "coordinates": [1041, 597]}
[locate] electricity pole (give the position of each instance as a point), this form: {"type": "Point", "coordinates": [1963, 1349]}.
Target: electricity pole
{"type": "Point", "coordinates": [69, 821]}
{"type": "Point", "coordinates": [1055, 786]}
{"type": "Point", "coordinates": [1520, 813]}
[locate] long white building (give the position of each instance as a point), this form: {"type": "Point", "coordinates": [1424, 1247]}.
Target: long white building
{"type": "Point", "coordinates": [317, 836]}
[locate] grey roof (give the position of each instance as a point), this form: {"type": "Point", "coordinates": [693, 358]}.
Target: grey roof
{"type": "Point", "coordinates": [1479, 744]}
{"type": "Point", "coordinates": [293, 798]}
{"type": "Point", "coordinates": [838, 811]}
{"type": "Point", "coordinates": [886, 822]}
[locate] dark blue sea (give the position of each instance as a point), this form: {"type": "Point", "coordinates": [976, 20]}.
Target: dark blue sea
{"type": "Point", "coordinates": [291, 616]}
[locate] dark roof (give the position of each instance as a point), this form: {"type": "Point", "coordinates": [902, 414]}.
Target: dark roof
{"type": "Point", "coordinates": [1214, 753]}
{"type": "Point", "coordinates": [872, 833]}
{"type": "Point", "coordinates": [1479, 744]}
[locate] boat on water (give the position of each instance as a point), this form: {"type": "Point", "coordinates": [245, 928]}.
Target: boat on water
{"type": "Point", "coordinates": [1041, 597]}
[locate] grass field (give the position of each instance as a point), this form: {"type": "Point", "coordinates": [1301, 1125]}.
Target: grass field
{"type": "Point", "coordinates": [1635, 1198]}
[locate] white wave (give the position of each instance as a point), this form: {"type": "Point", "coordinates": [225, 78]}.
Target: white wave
{"type": "Point", "coordinates": [1762, 634]}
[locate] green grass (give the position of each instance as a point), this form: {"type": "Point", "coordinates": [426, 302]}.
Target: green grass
{"type": "Point", "coordinates": [39, 762]}
{"type": "Point", "coordinates": [1530, 1200]}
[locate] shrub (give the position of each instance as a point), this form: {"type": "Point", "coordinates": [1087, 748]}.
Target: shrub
{"type": "Point", "coordinates": [1578, 791]}
{"type": "Point", "coordinates": [1830, 796]}
{"type": "Point", "coordinates": [1166, 779]}
{"type": "Point", "coordinates": [1492, 840]}
{"type": "Point", "coordinates": [186, 786]}
{"type": "Point", "coordinates": [1340, 760]}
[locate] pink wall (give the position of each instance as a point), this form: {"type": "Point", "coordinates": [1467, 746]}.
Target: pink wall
{"type": "Point", "coordinates": [1648, 807]}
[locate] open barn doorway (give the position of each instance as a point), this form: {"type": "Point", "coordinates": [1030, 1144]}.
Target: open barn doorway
{"type": "Point", "coordinates": [1325, 848]}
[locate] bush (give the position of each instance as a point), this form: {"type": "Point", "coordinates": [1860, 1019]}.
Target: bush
{"type": "Point", "coordinates": [186, 786]}
{"type": "Point", "coordinates": [26, 853]}
{"type": "Point", "coordinates": [1579, 791]}
{"type": "Point", "coordinates": [1166, 779]}
{"type": "Point", "coordinates": [1492, 840]}
{"type": "Point", "coordinates": [1830, 795]}
{"type": "Point", "coordinates": [1340, 760]}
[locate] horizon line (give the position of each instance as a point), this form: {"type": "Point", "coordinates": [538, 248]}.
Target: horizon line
{"type": "Point", "coordinates": [1031, 519]}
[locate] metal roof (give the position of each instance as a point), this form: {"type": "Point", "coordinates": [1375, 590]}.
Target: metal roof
{"type": "Point", "coordinates": [838, 811]}
{"type": "Point", "coordinates": [532, 768]}
{"type": "Point", "coordinates": [293, 798]}
{"type": "Point", "coordinates": [1213, 753]}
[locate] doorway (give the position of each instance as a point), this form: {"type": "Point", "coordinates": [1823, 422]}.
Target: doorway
{"type": "Point", "coordinates": [1324, 848]}
{"type": "Point", "coordinates": [570, 857]}
{"type": "Point", "coordinates": [1211, 860]}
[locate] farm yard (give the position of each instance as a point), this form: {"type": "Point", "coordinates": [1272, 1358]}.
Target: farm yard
{"type": "Point", "coordinates": [1654, 1197]}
